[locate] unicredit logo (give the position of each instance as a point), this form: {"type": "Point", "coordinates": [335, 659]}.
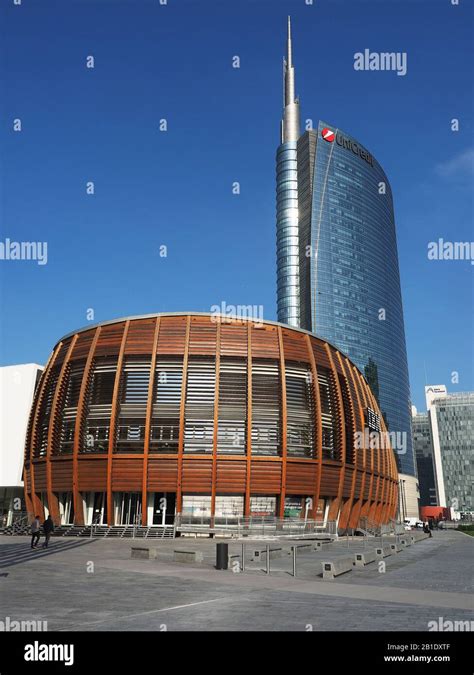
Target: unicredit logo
{"type": "Point", "coordinates": [328, 135]}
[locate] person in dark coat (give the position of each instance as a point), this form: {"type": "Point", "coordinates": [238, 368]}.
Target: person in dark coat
{"type": "Point", "coordinates": [48, 527]}
{"type": "Point", "coordinates": [35, 532]}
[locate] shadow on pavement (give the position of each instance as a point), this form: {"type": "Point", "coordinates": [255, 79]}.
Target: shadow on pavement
{"type": "Point", "coordinates": [15, 554]}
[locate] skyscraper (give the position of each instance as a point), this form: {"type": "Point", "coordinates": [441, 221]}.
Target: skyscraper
{"type": "Point", "coordinates": [446, 448]}
{"type": "Point", "coordinates": [337, 258]}
{"type": "Point", "coordinates": [287, 199]}
{"type": "Point", "coordinates": [423, 448]}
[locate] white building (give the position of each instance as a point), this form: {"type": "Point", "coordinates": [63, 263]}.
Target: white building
{"type": "Point", "coordinates": [17, 387]}
{"type": "Point", "coordinates": [451, 419]}
{"type": "Point", "coordinates": [408, 497]}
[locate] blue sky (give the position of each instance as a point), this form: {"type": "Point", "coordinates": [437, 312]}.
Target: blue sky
{"type": "Point", "coordinates": [174, 188]}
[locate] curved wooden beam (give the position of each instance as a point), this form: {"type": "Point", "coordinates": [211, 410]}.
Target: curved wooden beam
{"type": "Point", "coordinates": [149, 412]}
{"type": "Point", "coordinates": [52, 498]}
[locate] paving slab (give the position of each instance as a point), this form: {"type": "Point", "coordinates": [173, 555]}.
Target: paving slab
{"type": "Point", "coordinates": [95, 585]}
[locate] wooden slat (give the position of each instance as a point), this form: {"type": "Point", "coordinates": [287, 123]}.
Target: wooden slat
{"type": "Point", "coordinates": [78, 510]}
{"type": "Point", "coordinates": [249, 422]}
{"type": "Point", "coordinates": [318, 425]}
{"type": "Point", "coordinates": [284, 423]}
{"type": "Point", "coordinates": [37, 506]}
{"type": "Point", "coordinates": [360, 456]}
{"type": "Point", "coordinates": [346, 519]}
{"type": "Point", "coordinates": [149, 412]}
{"type": "Point", "coordinates": [179, 489]}
{"type": "Point", "coordinates": [336, 504]}
{"type": "Point", "coordinates": [216, 420]}
{"type": "Point", "coordinates": [113, 425]}
{"type": "Point", "coordinates": [52, 498]}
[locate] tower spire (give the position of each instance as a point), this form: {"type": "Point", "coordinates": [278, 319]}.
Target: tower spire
{"type": "Point", "coordinates": [288, 45]}
{"type": "Point", "coordinates": [290, 124]}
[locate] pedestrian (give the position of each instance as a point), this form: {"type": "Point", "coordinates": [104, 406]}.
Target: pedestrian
{"type": "Point", "coordinates": [48, 527]}
{"type": "Point", "coordinates": [35, 532]}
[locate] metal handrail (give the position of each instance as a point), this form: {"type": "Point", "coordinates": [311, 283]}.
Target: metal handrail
{"type": "Point", "coordinates": [95, 522]}
{"type": "Point", "coordinates": [265, 525]}
{"type": "Point", "coordinates": [20, 522]}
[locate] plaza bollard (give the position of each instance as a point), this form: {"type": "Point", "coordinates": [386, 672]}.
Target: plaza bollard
{"type": "Point", "coordinates": [222, 556]}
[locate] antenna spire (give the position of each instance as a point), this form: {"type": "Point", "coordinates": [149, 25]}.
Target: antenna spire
{"type": "Point", "coordinates": [290, 124]}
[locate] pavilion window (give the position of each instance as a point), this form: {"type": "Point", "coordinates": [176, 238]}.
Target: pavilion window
{"type": "Point", "coordinates": [232, 408]}
{"type": "Point", "coordinates": [199, 411]}
{"type": "Point", "coordinates": [348, 420]}
{"type": "Point", "coordinates": [99, 406]}
{"type": "Point", "coordinates": [300, 410]}
{"type": "Point", "coordinates": [41, 440]}
{"type": "Point", "coordinates": [164, 432]}
{"type": "Point", "coordinates": [133, 397]}
{"type": "Point", "coordinates": [67, 423]}
{"type": "Point", "coordinates": [328, 414]}
{"type": "Point", "coordinates": [266, 408]}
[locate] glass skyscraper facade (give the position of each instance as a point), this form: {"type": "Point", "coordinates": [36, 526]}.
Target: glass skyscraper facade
{"type": "Point", "coordinates": [349, 278]}
{"type": "Point", "coordinates": [424, 459]}
{"type": "Point", "coordinates": [288, 298]}
{"type": "Point", "coordinates": [337, 260]}
{"type": "Point", "coordinates": [287, 235]}
{"type": "Point", "coordinates": [452, 438]}
{"type": "Point", "coordinates": [443, 439]}
{"type": "Point", "coordinates": [455, 415]}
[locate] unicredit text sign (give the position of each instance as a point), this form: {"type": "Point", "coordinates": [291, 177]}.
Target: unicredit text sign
{"type": "Point", "coordinates": [348, 144]}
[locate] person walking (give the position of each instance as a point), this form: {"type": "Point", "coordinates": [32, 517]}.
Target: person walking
{"type": "Point", "coordinates": [426, 529]}
{"type": "Point", "coordinates": [35, 532]}
{"type": "Point", "coordinates": [48, 527]}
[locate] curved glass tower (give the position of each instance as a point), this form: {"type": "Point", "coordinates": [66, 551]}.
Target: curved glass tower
{"type": "Point", "coordinates": [349, 278]}
{"type": "Point", "coordinates": [337, 260]}
{"type": "Point", "coordinates": [287, 200]}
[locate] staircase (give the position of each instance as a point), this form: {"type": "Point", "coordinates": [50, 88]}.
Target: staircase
{"type": "Point", "coordinates": [22, 527]}
{"type": "Point", "coordinates": [117, 531]}
{"type": "Point", "coordinates": [369, 528]}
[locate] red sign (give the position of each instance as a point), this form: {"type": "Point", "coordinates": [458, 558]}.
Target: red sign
{"type": "Point", "coordinates": [328, 135]}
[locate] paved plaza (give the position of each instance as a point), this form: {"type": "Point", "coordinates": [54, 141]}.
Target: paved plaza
{"type": "Point", "coordinates": [94, 584]}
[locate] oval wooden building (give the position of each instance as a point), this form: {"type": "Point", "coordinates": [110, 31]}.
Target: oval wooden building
{"type": "Point", "coordinates": [151, 416]}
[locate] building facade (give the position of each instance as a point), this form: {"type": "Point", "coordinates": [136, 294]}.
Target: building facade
{"type": "Point", "coordinates": [346, 278]}
{"type": "Point", "coordinates": [17, 388]}
{"type": "Point", "coordinates": [140, 419]}
{"type": "Point", "coordinates": [451, 440]}
{"type": "Point", "coordinates": [424, 458]}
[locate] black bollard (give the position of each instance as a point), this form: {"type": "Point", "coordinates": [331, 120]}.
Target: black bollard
{"type": "Point", "coordinates": [222, 556]}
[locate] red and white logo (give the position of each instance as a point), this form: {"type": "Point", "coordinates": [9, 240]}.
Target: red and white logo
{"type": "Point", "coordinates": [328, 135]}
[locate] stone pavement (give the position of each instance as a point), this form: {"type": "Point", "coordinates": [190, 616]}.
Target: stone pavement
{"type": "Point", "coordinates": [83, 584]}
